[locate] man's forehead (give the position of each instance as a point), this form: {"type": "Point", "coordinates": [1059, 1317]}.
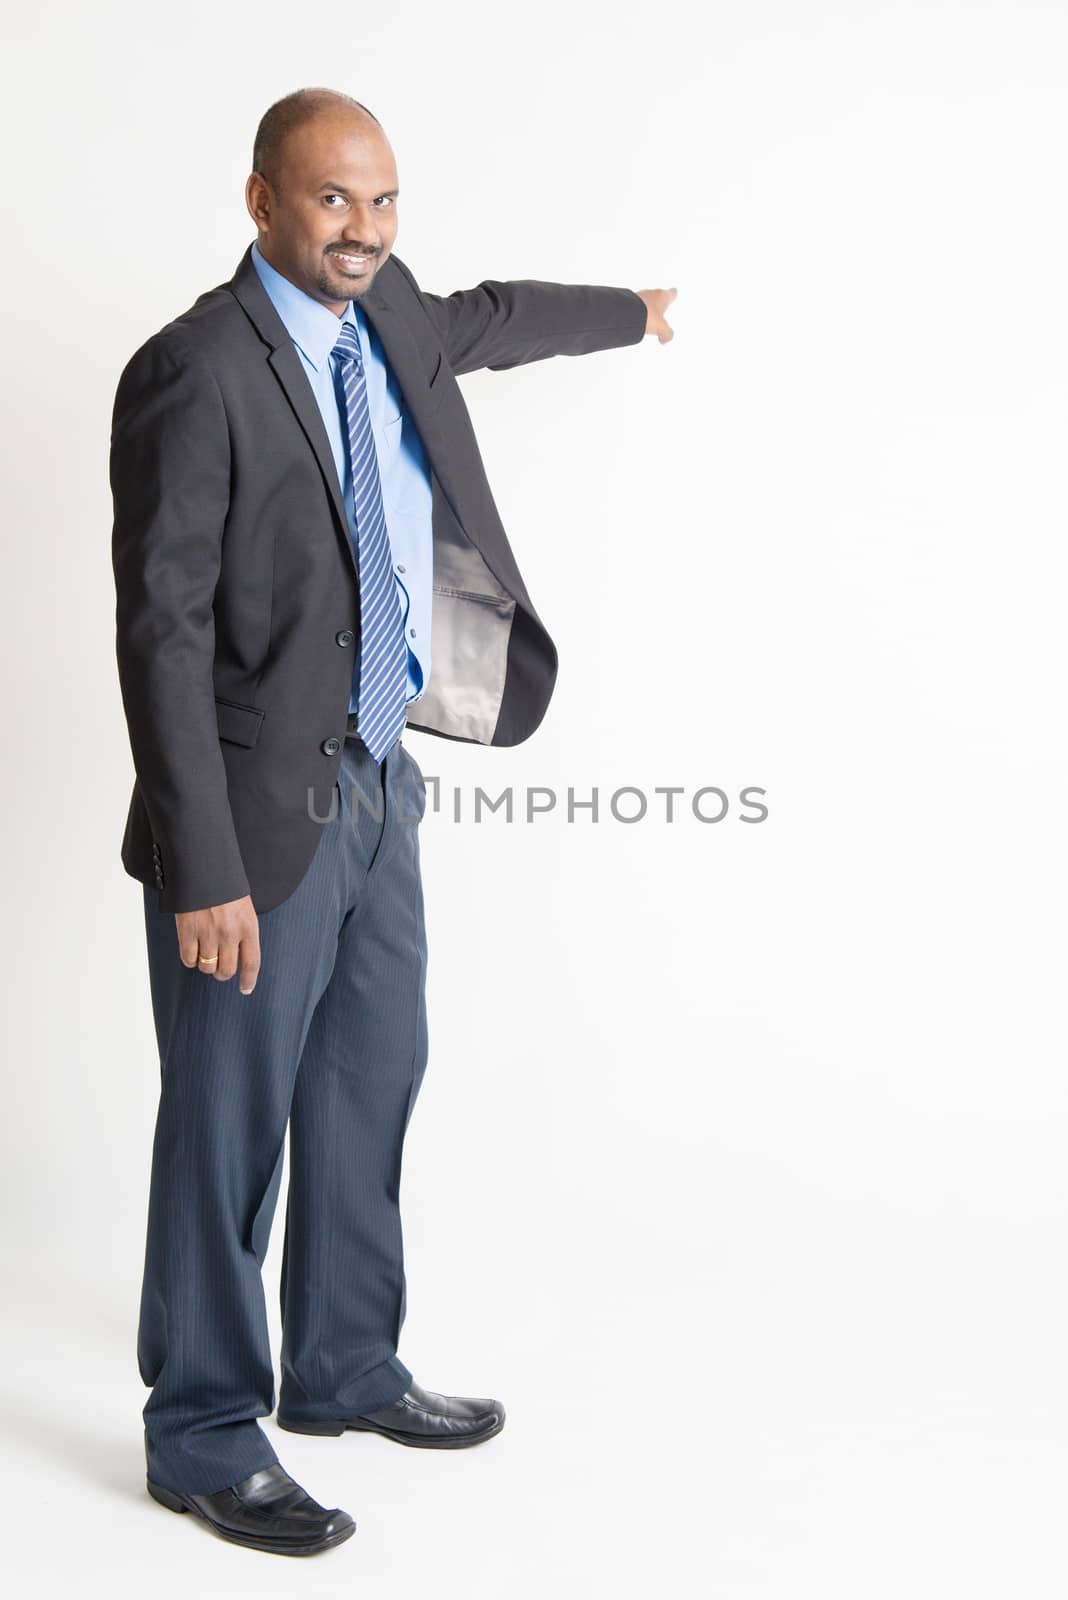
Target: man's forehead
{"type": "Point", "coordinates": [342, 159]}
{"type": "Point", "coordinates": [339, 133]}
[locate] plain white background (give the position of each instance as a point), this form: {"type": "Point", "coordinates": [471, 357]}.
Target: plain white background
{"type": "Point", "coordinates": [738, 1171]}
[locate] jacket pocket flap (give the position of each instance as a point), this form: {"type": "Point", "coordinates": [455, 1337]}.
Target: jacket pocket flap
{"type": "Point", "coordinates": [239, 724]}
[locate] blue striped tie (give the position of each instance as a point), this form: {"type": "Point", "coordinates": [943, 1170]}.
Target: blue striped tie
{"type": "Point", "coordinates": [383, 655]}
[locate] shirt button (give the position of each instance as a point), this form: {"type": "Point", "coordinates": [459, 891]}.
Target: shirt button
{"type": "Point", "coordinates": [401, 569]}
{"type": "Point", "coordinates": [411, 633]}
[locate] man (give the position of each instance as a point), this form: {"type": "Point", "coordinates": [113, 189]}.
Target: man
{"type": "Point", "coordinates": [307, 559]}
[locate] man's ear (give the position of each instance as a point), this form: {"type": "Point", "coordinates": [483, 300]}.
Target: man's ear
{"type": "Point", "coordinates": [258, 200]}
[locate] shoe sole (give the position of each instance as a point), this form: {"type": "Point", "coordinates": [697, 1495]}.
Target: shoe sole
{"type": "Point", "coordinates": [276, 1547]}
{"type": "Point", "coordinates": [334, 1430]}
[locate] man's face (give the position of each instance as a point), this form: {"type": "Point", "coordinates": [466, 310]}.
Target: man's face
{"type": "Point", "coordinates": [334, 220]}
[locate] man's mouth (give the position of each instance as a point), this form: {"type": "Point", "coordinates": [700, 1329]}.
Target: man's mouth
{"type": "Point", "coordinates": [353, 262]}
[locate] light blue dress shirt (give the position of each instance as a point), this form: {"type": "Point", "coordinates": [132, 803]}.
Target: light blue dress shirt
{"type": "Point", "coordinates": [402, 463]}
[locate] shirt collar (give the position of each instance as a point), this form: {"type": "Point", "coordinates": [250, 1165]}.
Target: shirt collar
{"type": "Point", "coordinates": [311, 325]}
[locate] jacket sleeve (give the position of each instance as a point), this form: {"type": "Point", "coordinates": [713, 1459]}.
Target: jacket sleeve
{"type": "Point", "coordinates": [170, 482]}
{"type": "Point", "coordinates": [505, 323]}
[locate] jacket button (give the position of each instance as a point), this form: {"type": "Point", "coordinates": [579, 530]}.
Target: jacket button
{"type": "Point", "coordinates": [346, 636]}
{"type": "Point", "coordinates": [330, 747]}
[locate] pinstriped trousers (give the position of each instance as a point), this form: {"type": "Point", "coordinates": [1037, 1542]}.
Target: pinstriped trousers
{"type": "Point", "coordinates": [333, 1043]}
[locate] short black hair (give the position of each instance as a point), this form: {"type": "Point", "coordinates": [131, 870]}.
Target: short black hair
{"type": "Point", "coordinates": [284, 117]}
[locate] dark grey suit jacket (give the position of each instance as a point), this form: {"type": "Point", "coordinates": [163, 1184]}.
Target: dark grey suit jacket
{"type": "Point", "coordinates": [237, 599]}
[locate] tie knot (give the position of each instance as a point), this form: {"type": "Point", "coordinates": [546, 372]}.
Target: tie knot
{"type": "Point", "coordinates": [347, 347]}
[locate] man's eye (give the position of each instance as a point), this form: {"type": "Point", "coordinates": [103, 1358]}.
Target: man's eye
{"type": "Point", "coordinates": [381, 201]}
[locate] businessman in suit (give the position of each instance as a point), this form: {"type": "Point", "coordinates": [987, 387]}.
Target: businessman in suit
{"type": "Point", "coordinates": [307, 560]}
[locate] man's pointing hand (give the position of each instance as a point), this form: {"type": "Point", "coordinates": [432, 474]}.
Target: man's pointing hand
{"type": "Point", "coordinates": [656, 303]}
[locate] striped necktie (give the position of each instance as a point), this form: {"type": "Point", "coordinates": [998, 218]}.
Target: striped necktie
{"type": "Point", "coordinates": [383, 664]}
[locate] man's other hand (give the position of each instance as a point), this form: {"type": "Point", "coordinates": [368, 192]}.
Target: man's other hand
{"type": "Point", "coordinates": [230, 933]}
{"type": "Point", "coordinates": [656, 303]}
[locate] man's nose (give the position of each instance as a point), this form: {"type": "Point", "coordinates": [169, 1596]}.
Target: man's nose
{"type": "Point", "coordinates": [362, 230]}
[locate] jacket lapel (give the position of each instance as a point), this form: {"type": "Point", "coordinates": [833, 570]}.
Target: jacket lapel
{"type": "Point", "coordinates": [285, 362]}
{"type": "Point", "coordinates": [404, 358]}
{"type": "Point", "coordinates": [397, 343]}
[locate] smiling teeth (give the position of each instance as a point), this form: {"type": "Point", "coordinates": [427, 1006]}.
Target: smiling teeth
{"type": "Point", "coordinates": [345, 257]}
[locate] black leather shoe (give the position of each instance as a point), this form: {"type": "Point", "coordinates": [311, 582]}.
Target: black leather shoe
{"type": "Point", "coordinates": [419, 1417]}
{"type": "Point", "coordinates": [265, 1512]}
